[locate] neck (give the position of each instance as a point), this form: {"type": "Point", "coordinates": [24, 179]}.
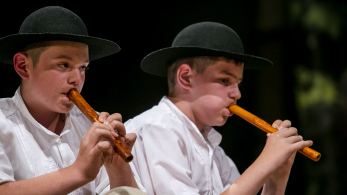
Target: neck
{"type": "Point", "coordinates": [185, 107]}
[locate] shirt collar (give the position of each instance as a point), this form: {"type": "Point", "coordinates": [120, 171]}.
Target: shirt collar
{"type": "Point", "coordinates": [210, 134]}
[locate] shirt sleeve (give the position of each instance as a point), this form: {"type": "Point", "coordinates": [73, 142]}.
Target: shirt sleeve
{"type": "Point", "coordinates": [227, 168]}
{"type": "Point", "coordinates": [160, 160]}
{"type": "Point", "coordinates": [6, 172]}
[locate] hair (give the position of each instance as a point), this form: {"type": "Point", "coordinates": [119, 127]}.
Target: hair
{"type": "Point", "coordinates": [199, 64]}
{"type": "Point", "coordinates": [34, 51]}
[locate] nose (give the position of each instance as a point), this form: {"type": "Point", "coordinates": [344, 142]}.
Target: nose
{"type": "Point", "coordinates": [234, 92]}
{"type": "Point", "coordinates": [75, 77]}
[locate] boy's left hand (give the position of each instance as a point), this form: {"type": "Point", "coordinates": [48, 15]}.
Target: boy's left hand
{"type": "Point", "coordinates": [112, 159]}
{"type": "Point", "coordinates": [277, 181]}
{"type": "Point", "coordinates": [285, 169]}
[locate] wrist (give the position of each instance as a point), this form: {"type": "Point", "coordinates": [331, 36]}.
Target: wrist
{"type": "Point", "coordinates": [275, 185]}
{"type": "Point", "coordinates": [76, 172]}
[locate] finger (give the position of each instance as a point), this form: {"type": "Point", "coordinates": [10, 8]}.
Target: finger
{"type": "Point", "coordinates": [101, 150]}
{"type": "Point", "coordinates": [103, 116]}
{"type": "Point", "coordinates": [118, 128]}
{"type": "Point", "coordinates": [109, 153]}
{"type": "Point", "coordinates": [130, 139]}
{"type": "Point", "coordinates": [294, 139]}
{"type": "Point", "coordinates": [276, 124]}
{"type": "Point", "coordinates": [268, 135]}
{"type": "Point", "coordinates": [99, 130]}
{"type": "Point", "coordinates": [302, 144]}
{"type": "Point", "coordinates": [287, 132]}
{"type": "Point", "coordinates": [112, 117]}
{"type": "Point", "coordinates": [285, 124]}
{"type": "Point", "coordinates": [103, 146]}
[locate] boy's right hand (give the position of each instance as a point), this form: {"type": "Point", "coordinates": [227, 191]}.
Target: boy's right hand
{"type": "Point", "coordinates": [91, 153]}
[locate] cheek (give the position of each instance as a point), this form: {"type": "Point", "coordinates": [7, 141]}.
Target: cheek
{"type": "Point", "coordinates": [210, 107]}
{"type": "Point", "coordinates": [48, 84]}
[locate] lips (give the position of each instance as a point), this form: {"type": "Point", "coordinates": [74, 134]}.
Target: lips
{"type": "Point", "coordinates": [229, 113]}
{"type": "Point", "coordinates": [67, 91]}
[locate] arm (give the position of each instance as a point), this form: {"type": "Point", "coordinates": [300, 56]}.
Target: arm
{"type": "Point", "coordinates": [63, 181]}
{"type": "Point", "coordinates": [118, 170]}
{"type": "Point", "coordinates": [277, 182]}
{"type": "Point", "coordinates": [280, 147]}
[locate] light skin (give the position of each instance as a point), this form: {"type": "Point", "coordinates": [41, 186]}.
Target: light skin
{"type": "Point", "coordinates": [60, 68]}
{"type": "Point", "coordinates": [204, 99]}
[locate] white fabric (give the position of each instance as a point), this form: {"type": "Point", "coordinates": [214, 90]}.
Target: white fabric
{"type": "Point", "coordinates": [125, 190]}
{"type": "Point", "coordinates": [27, 149]}
{"type": "Point", "coordinates": [171, 156]}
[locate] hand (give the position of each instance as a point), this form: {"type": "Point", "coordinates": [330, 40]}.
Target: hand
{"type": "Point", "coordinates": [115, 122]}
{"type": "Point", "coordinates": [286, 167]}
{"type": "Point", "coordinates": [290, 142]}
{"type": "Point", "coordinates": [114, 164]}
{"type": "Point", "coordinates": [281, 146]}
{"type": "Point", "coordinates": [93, 146]}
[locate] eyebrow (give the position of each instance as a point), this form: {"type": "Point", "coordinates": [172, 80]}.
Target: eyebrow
{"type": "Point", "coordinates": [232, 75]}
{"type": "Point", "coordinates": [67, 58]}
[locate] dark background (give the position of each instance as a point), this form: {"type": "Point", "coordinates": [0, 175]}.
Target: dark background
{"type": "Point", "coordinates": [292, 34]}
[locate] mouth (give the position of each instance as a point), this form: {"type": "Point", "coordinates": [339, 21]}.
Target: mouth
{"type": "Point", "coordinates": [66, 93]}
{"type": "Point", "coordinates": [66, 96]}
{"type": "Point", "coordinates": [229, 113]}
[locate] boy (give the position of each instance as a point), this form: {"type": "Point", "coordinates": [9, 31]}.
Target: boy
{"type": "Point", "coordinates": [47, 146]}
{"type": "Point", "coordinates": [177, 150]}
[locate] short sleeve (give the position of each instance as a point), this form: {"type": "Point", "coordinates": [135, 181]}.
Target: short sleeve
{"type": "Point", "coordinates": [227, 168]}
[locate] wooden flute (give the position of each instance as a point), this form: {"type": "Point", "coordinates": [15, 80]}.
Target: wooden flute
{"type": "Point", "coordinates": [90, 113]}
{"type": "Point", "coordinates": [261, 124]}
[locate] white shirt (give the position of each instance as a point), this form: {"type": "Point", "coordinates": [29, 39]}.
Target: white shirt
{"type": "Point", "coordinates": [27, 149]}
{"type": "Point", "coordinates": [171, 156]}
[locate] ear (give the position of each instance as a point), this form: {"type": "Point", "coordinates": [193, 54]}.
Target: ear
{"type": "Point", "coordinates": [21, 62]}
{"type": "Point", "coordinates": [184, 76]}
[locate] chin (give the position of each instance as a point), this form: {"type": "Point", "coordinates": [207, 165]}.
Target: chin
{"type": "Point", "coordinates": [220, 122]}
{"type": "Point", "coordinates": [66, 108]}
{"type": "Point", "coordinates": [223, 121]}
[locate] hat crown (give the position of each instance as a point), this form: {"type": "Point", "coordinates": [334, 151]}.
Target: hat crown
{"type": "Point", "coordinates": [53, 19]}
{"type": "Point", "coordinates": [209, 35]}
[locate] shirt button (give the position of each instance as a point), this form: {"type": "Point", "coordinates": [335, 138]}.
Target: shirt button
{"type": "Point", "coordinates": [58, 141]}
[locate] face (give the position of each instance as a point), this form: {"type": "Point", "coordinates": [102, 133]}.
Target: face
{"type": "Point", "coordinates": [60, 68]}
{"type": "Point", "coordinates": [213, 91]}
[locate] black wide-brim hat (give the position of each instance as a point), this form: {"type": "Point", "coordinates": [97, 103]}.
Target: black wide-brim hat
{"type": "Point", "coordinates": [202, 39]}
{"type": "Point", "coordinates": [54, 23]}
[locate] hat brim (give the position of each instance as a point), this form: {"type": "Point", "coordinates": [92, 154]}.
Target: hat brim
{"type": "Point", "coordinates": [98, 48]}
{"type": "Point", "coordinates": [157, 62]}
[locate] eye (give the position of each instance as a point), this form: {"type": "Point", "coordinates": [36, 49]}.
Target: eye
{"type": "Point", "coordinates": [84, 68]}
{"type": "Point", "coordinates": [63, 65]}
{"type": "Point", "coordinates": [225, 81]}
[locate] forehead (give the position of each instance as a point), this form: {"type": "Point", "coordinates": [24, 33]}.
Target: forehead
{"type": "Point", "coordinates": [225, 68]}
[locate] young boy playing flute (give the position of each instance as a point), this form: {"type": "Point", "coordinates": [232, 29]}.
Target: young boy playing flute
{"type": "Point", "coordinates": [177, 150]}
{"type": "Point", "coordinates": [47, 146]}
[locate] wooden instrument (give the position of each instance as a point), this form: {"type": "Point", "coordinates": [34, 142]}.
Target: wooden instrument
{"type": "Point", "coordinates": [254, 120]}
{"type": "Point", "coordinates": [90, 113]}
